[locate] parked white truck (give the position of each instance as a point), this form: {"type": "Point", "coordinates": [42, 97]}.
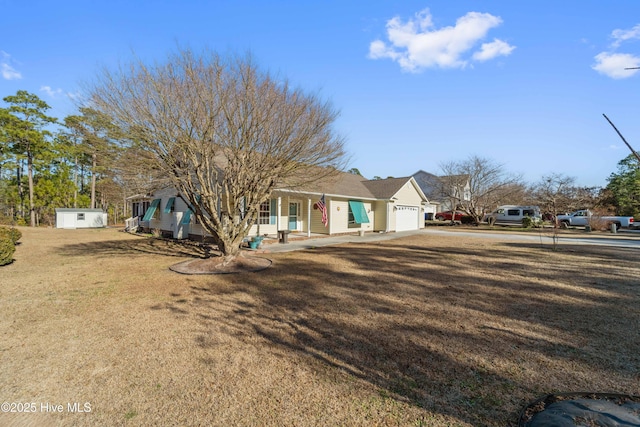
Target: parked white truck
{"type": "Point", "coordinates": [584, 217]}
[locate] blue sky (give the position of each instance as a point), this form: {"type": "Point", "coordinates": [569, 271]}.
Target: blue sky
{"type": "Point", "coordinates": [418, 83]}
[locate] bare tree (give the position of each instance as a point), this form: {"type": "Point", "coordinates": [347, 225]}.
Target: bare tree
{"type": "Point", "coordinates": [555, 193]}
{"type": "Point", "coordinates": [224, 131]}
{"type": "Point", "coordinates": [477, 184]}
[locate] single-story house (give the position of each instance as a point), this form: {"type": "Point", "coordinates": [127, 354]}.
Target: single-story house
{"type": "Point", "coordinates": [353, 204]}
{"type": "Point", "coordinates": [80, 218]}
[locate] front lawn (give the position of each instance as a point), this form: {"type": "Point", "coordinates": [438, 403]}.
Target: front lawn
{"type": "Point", "coordinates": [424, 330]}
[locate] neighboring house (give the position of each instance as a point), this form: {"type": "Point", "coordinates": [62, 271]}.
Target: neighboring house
{"type": "Point", "coordinates": [444, 191]}
{"type": "Point", "coordinates": [353, 204]}
{"type": "Point", "coordinates": [80, 218]}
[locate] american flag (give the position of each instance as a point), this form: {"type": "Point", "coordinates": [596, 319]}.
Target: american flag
{"type": "Point", "coordinates": [323, 208]}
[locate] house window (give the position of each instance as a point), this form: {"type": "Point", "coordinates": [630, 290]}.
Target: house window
{"type": "Point", "coordinates": [80, 216]}
{"type": "Point", "coordinates": [265, 213]}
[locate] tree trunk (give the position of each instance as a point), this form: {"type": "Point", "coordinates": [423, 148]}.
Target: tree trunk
{"type": "Point", "coordinates": [20, 188]}
{"type": "Point", "coordinates": [32, 211]}
{"type": "Point", "coordinates": [75, 182]}
{"type": "Point", "coordinates": [93, 181]}
{"type": "Point", "coordinates": [230, 248]}
{"type": "Point", "coordinates": [82, 178]}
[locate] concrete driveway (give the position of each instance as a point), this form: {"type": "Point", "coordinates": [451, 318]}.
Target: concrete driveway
{"type": "Point", "coordinates": [627, 238]}
{"type": "Point", "coordinates": [318, 241]}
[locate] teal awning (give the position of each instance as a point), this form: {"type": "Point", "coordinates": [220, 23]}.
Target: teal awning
{"type": "Point", "coordinates": [359, 212]}
{"type": "Point", "coordinates": [170, 202]}
{"type": "Point", "coordinates": [186, 218]}
{"type": "Point", "coordinates": [152, 209]}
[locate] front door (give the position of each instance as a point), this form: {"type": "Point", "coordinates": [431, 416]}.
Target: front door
{"type": "Point", "coordinates": [294, 213]}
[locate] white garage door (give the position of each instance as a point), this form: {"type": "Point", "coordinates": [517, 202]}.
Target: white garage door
{"type": "Point", "coordinates": [407, 218]}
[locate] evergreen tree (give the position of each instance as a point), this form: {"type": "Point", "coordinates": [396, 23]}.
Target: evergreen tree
{"type": "Point", "coordinates": [97, 143]}
{"type": "Point", "coordinates": [623, 188]}
{"type": "Point", "coordinates": [27, 138]}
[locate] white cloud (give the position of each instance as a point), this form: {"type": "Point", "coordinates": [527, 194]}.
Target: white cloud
{"type": "Point", "coordinates": [494, 49]}
{"type": "Point", "coordinates": [620, 36]}
{"type": "Point", "coordinates": [417, 44]}
{"type": "Point", "coordinates": [51, 92]}
{"type": "Point", "coordinates": [613, 64]}
{"type": "Point", "coordinates": [74, 96]}
{"type": "Point", "coordinates": [7, 71]}
{"type": "Point", "coordinates": [616, 65]}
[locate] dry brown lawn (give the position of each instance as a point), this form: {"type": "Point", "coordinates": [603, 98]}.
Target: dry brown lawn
{"type": "Point", "coordinates": [424, 330]}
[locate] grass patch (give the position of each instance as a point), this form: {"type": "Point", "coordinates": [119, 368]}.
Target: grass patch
{"type": "Point", "coordinates": [424, 330]}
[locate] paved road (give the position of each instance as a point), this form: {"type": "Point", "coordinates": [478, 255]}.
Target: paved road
{"type": "Point", "coordinates": [628, 239]}
{"type": "Point", "coordinates": [625, 239]}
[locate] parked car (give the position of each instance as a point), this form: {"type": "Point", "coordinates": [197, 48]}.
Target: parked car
{"type": "Point", "coordinates": [513, 215]}
{"type": "Point", "coordinates": [446, 216]}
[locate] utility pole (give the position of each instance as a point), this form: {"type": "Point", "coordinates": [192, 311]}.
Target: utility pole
{"type": "Point", "coordinates": [625, 141]}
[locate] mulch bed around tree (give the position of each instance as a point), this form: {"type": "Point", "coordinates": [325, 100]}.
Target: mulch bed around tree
{"type": "Point", "coordinates": [582, 409]}
{"type": "Point", "coordinates": [215, 265]}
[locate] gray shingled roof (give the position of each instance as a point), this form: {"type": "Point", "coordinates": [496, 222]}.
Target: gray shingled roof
{"type": "Point", "coordinates": [352, 185]}
{"type": "Point", "coordinates": [342, 184]}
{"type": "Point", "coordinates": [430, 184]}
{"type": "Point", "coordinates": [386, 188]}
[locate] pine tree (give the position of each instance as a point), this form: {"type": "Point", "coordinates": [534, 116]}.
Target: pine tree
{"type": "Point", "coordinates": [27, 137]}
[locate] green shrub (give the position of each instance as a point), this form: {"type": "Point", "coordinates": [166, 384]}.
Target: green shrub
{"type": "Point", "coordinates": [529, 222]}
{"type": "Point", "coordinates": [15, 234]}
{"type": "Point", "coordinates": [7, 248]}
{"type": "Point", "coordinates": [12, 234]}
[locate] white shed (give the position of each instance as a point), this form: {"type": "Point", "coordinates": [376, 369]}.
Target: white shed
{"type": "Point", "coordinates": [80, 218]}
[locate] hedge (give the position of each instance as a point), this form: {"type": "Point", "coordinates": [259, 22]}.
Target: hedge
{"type": "Point", "coordinates": [11, 233]}
{"type": "Point", "coordinates": [7, 248]}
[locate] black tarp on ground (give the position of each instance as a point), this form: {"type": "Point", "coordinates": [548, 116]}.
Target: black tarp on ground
{"type": "Point", "coordinates": [582, 409]}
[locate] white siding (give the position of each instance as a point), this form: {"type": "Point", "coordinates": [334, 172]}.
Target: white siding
{"type": "Point", "coordinates": [81, 218]}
